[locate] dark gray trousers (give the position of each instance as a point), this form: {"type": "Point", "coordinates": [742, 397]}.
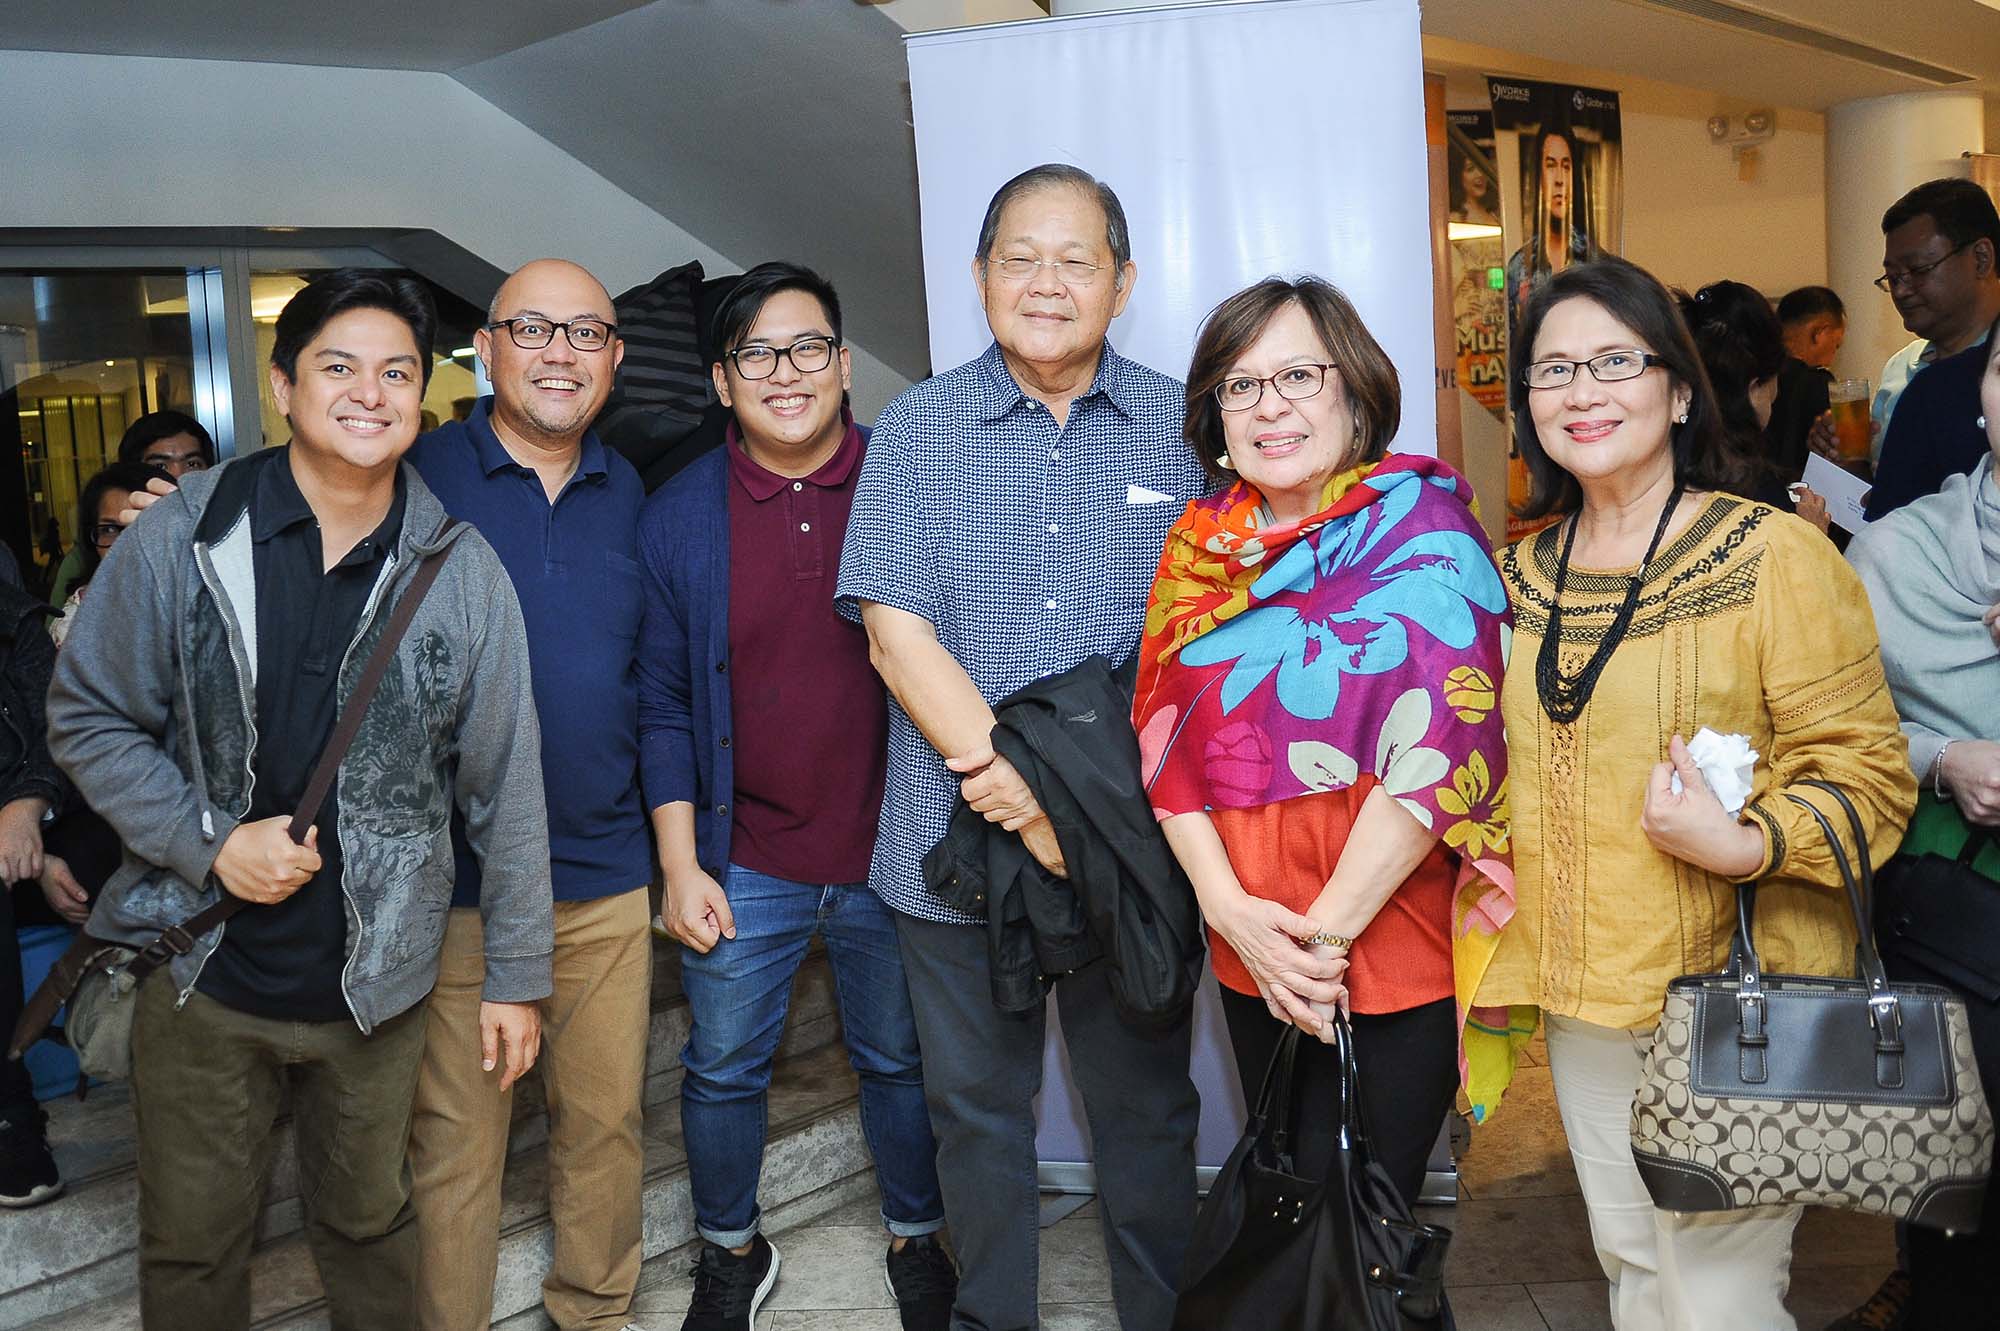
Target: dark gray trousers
{"type": "Point", "coordinates": [982, 1070]}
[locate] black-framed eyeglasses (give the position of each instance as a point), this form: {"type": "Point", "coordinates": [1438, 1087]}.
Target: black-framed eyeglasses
{"type": "Point", "coordinates": [1609, 368]}
{"type": "Point", "coordinates": [1887, 281]}
{"type": "Point", "coordinates": [1294, 383]}
{"type": "Point", "coordinates": [808, 355]}
{"type": "Point", "coordinates": [1073, 272]}
{"type": "Point", "coordinates": [531, 333]}
{"type": "Point", "coordinates": [102, 534]}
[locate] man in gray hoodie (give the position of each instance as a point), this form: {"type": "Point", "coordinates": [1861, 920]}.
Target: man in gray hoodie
{"type": "Point", "coordinates": [218, 644]}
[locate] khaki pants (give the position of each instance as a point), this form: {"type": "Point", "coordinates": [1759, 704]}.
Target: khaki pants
{"type": "Point", "coordinates": [593, 1065]}
{"type": "Point", "coordinates": [1720, 1271]}
{"type": "Point", "coordinates": [206, 1085]}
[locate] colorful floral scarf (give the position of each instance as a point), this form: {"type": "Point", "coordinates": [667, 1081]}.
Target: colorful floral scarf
{"type": "Point", "coordinates": [1282, 661]}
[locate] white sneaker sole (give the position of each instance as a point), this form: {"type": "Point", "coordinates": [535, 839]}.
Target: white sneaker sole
{"type": "Point", "coordinates": [41, 1192]}
{"type": "Point", "coordinates": [764, 1289]}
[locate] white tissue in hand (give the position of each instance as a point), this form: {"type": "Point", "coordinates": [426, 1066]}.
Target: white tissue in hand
{"type": "Point", "coordinates": [1726, 762]}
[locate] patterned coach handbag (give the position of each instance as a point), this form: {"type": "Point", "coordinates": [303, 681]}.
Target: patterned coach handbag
{"type": "Point", "coordinates": [1767, 1090]}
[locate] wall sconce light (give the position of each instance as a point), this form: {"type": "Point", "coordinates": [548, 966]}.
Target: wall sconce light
{"type": "Point", "coordinates": [1742, 132]}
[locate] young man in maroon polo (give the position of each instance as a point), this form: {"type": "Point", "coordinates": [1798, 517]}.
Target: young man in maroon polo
{"type": "Point", "coordinates": [763, 746]}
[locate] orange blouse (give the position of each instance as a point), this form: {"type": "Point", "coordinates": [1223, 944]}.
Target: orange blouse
{"type": "Point", "coordinates": [1286, 851]}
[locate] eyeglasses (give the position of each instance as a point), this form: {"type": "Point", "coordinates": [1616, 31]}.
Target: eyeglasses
{"type": "Point", "coordinates": [1294, 383]}
{"type": "Point", "coordinates": [1609, 368]}
{"type": "Point", "coordinates": [1072, 272]}
{"type": "Point", "coordinates": [102, 534]}
{"type": "Point", "coordinates": [808, 355]}
{"type": "Point", "coordinates": [1888, 280]}
{"type": "Point", "coordinates": [532, 334]}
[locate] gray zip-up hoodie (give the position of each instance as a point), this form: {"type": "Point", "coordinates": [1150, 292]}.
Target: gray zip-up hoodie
{"type": "Point", "coordinates": [153, 716]}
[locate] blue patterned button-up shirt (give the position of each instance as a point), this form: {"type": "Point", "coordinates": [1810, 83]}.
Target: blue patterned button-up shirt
{"type": "Point", "coordinates": [1029, 547]}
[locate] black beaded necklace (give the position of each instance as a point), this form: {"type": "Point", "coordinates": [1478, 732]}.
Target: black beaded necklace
{"type": "Point", "coordinates": [1565, 696]}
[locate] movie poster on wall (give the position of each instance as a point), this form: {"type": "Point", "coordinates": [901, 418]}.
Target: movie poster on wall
{"type": "Point", "coordinates": [1477, 259]}
{"type": "Point", "coordinates": [1567, 196]}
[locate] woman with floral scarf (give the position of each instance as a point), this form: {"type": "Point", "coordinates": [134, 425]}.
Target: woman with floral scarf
{"type": "Point", "coordinates": [1318, 723]}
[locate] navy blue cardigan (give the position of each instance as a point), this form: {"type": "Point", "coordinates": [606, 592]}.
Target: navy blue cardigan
{"type": "Point", "coordinates": [684, 651]}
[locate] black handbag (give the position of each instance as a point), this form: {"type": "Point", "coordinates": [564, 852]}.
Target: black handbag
{"type": "Point", "coordinates": [1943, 915]}
{"type": "Point", "coordinates": [1275, 1252]}
{"type": "Point", "coordinates": [1763, 1090]}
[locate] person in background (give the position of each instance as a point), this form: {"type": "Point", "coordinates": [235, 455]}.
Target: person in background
{"type": "Point", "coordinates": [1932, 570]}
{"type": "Point", "coordinates": [1815, 325]}
{"type": "Point", "coordinates": [1941, 267]}
{"type": "Point", "coordinates": [105, 495]}
{"type": "Point", "coordinates": [1386, 778]}
{"type": "Point", "coordinates": [171, 442]}
{"type": "Point", "coordinates": [1005, 528]}
{"type": "Point", "coordinates": [1742, 347]}
{"type": "Point", "coordinates": [31, 790]}
{"type": "Point", "coordinates": [1662, 603]}
{"type": "Point", "coordinates": [757, 698]}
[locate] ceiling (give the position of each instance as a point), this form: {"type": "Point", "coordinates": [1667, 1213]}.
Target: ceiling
{"type": "Point", "coordinates": [780, 127]}
{"type": "Point", "coordinates": [368, 34]}
{"type": "Point", "coordinates": [1648, 40]}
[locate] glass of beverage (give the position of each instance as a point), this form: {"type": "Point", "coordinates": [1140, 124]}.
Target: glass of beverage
{"type": "Point", "coordinates": [1850, 418]}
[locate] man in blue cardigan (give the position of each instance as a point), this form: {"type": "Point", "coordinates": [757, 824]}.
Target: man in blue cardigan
{"type": "Point", "coordinates": [763, 743]}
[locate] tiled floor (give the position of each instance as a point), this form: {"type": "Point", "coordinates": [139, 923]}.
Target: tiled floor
{"type": "Point", "coordinates": [1521, 1259]}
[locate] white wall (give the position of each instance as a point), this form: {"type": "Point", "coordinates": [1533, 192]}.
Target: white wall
{"type": "Point", "coordinates": [1880, 148]}
{"type": "Point", "coordinates": [1690, 217]}
{"type": "Point", "coordinates": [107, 141]}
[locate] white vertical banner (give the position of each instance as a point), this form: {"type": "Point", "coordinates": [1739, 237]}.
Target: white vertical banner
{"type": "Point", "coordinates": [1244, 139]}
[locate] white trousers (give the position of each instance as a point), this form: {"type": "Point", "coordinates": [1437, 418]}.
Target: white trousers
{"type": "Point", "coordinates": [1724, 1271]}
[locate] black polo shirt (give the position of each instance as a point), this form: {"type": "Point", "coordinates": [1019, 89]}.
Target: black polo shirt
{"type": "Point", "coordinates": [285, 961]}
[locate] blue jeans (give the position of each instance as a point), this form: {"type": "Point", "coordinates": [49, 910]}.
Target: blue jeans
{"type": "Point", "coordinates": [737, 995]}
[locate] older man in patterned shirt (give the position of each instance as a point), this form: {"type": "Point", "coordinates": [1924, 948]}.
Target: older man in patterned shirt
{"type": "Point", "coordinates": [1008, 520]}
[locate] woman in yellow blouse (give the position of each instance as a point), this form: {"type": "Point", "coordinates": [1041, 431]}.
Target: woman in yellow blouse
{"type": "Point", "coordinates": [1659, 605]}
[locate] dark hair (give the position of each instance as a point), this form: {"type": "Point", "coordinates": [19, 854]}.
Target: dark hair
{"type": "Point", "coordinates": [1961, 210]}
{"type": "Point", "coordinates": [1703, 456]}
{"type": "Point", "coordinates": [1796, 307]}
{"type": "Point", "coordinates": [1373, 390]}
{"type": "Point", "coordinates": [1741, 343]}
{"type": "Point", "coordinates": [1060, 175]}
{"type": "Point", "coordinates": [120, 475]}
{"type": "Point", "coordinates": [740, 308]}
{"type": "Point", "coordinates": [154, 426]}
{"type": "Point", "coordinates": [327, 297]}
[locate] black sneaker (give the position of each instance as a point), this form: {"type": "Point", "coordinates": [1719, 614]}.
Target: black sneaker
{"type": "Point", "coordinates": [923, 1281]}
{"type": "Point", "coordinates": [28, 1174]}
{"type": "Point", "coordinates": [728, 1290]}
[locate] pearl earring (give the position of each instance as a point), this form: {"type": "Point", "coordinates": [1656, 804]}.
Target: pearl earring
{"type": "Point", "coordinates": [1982, 422]}
{"type": "Point", "coordinates": [1225, 463]}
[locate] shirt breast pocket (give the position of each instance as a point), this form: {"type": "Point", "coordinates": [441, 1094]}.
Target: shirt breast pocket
{"type": "Point", "coordinates": [621, 594]}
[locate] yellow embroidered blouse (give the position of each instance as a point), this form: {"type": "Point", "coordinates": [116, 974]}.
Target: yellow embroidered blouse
{"type": "Point", "coordinates": [1750, 623]}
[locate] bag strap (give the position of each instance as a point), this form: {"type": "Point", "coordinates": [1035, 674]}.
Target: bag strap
{"type": "Point", "coordinates": [1274, 1108]}
{"type": "Point", "coordinates": [1885, 1011]}
{"type": "Point", "coordinates": [1977, 839]}
{"type": "Point", "coordinates": [180, 939]}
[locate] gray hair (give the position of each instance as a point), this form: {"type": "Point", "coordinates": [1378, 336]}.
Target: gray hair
{"type": "Point", "coordinates": [1050, 175]}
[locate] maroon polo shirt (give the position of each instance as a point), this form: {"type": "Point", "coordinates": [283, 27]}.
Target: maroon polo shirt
{"type": "Point", "coordinates": [808, 715]}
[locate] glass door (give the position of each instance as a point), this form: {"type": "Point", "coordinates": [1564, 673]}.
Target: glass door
{"type": "Point", "coordinates": [83, 354]}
